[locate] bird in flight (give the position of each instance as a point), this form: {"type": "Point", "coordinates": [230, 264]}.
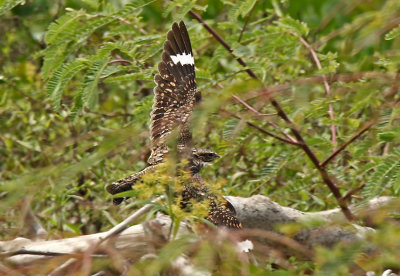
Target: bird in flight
{"type": "Point", "coordinates": [175, 96]}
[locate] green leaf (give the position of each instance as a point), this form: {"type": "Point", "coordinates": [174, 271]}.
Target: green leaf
{"type": "Point", "coordinates": [7, 5]}
{"type": "Point", "coordinates": [246, 7]}
{"type": "Point", "coordinates": [395, 32]}
{"type": "Point", "coordinates": [60, 79]}
{"type": "Point", "coordinates": [387, 173]}
{"type": "Point", "coordinates": [64, 27]}
{"type": "Point", "coordinates": [387, 136]}
{"type": "Point", "coordinates": [292, 25]}
{"type": "Point", "coordinates": [92, 77]}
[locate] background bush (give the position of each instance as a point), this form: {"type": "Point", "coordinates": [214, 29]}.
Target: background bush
{"type": "Point", "coordinates": [76, 92]}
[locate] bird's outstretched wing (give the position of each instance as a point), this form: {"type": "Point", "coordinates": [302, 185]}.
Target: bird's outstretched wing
{"type": "Point", "coordinates": [175, 94]}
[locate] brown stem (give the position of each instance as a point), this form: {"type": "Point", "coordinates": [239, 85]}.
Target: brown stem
{"type": "Point", "coordinates": [342, 147]}
{"type": "Point", "coordinates": [325, 176]}
{"type": "Point", "coordinates": [261, 114]}
{"type": "Point", "coordinates": [122, 61]}
{"type": "Point", "coordinates": [261, 129]}
{"type": "Point", "coordinates": [326, 85]}
{"type": "Point", "coordinates": [350, 193]}
{"type": "Point", "coordinates": [247, 21]}
{"type": "Point", "coordinates": [223, 43]}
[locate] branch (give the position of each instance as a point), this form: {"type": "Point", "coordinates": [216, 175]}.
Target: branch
{"type": "Point", "coordinates": [117, 229]}
{"type": "Point", "coordinates": [261, 129]}
{"type": "Point", "coordinates": [326, 85]}
{"type": "Point", "coordinates": [120, 60]}
{"type": "Point", "coordinates": [223, 42]}
{"type": "Point", "coordinates": [324, 174]}
{"type": "Point", "coordinates": [342, 147]}
{"type": "Point", "coordinates": [247, 21]}
{"type": "Point", "coordinates": [35, 229]}
{"type": "Point", "coordinates": [254, 212]}
{"type": "Point", "coordinates": [261, 114]}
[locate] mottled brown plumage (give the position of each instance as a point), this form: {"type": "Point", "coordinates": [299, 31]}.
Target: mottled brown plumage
{"type": "Point", "coordinates": [175, 94]}
{"type": "Point", "coordinates": [221, 212]}
{"type": "Point", "coordinates": [174, 99]}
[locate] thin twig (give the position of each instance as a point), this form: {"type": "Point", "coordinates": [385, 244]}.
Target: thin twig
{"type": "Point", "coordinates": [247, 21]}
{"type": "Point", "coordinates": [34, 225]}
{"type": "Point", "coordinates": [324, 174]}
{"type": "Point", "coordinates": [223, 43]}
{"type": "Point", "coordinates": [131, 219]}
{"type": "Point", "coordinates": [327, 88]}
{"type": "Point", "coordinates": [120, 60]}
{"type": "Point", "coordinates": [261, 129]}
{"type": "Point", "coordinates": [350, 193]}
{"type": "Point", "coordinates": [112, 115]}
{"type": "Point", "coordinates": [43, 253]}
{"type": "Point", "coordinates": [279, 239]}
{"type": "Point", "coordinates": [342, 147]}
{"type": "Point", "coordinates": [249, 107]}
{"type": "Point", "coordinates": [262, 114]}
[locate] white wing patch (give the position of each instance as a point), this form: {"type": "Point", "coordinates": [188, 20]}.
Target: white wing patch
{"type": "Point", "coordinates": [183, 59]}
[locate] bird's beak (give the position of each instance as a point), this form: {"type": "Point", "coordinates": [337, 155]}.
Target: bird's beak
{"type": "Point", "coordinates": [217, 155]}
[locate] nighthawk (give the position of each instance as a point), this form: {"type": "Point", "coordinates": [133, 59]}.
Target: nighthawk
{"type": "Point", "coordinates": [174, 99]}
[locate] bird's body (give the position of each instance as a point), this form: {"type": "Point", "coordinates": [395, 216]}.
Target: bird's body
{"type": "Point", "coordinates": [174, 99]}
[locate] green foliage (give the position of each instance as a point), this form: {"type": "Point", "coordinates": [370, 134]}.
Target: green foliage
{"type": "Point", "coordinates": [6, 5]}
{"type": "Point", "coordinates": [386, 176]}
{"type": "Point", "coordinates": [76, 92]}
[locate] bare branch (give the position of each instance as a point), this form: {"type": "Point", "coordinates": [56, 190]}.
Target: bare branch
{"type": "Point", "coordinates": [342, 147]}
{"type": "Point", "coordinates": [120, 60]}
{"type": "Point", "coordinates": [326, 85]}
{"type": "Point", "coordinates": [261, 114]}
{"type": "Point", "coordinates": [129, 220]}
{"type": "Point", "coordinates": [35, 228]}
{"type": "Point", "coordinates": [261, 129]}
{"type": "Point", "coordinates": [324, 174]}
{"type": "Point", "coordinates": [350, 193]}
{"type": "Point", "coordinates": [223, 42]}
{"type": "Point", "coordinates": [247, 21]}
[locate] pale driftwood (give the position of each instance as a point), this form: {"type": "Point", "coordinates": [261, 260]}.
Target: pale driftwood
{"type": "Point", "coordinates": [262, 213]}
{"type": "Point", "coordinates": [139, 240]}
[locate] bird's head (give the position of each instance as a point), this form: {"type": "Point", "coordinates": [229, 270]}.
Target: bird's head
{"type": "Point", "coordinates": [204, 155]}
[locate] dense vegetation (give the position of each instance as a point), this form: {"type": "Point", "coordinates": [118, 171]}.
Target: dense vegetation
{"type": "Point", "coordinates": [76, 85]}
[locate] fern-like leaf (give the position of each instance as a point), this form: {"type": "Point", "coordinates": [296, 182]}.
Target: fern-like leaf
{"type": "Point", "coordinates": [60, 79]}
{"type": "Point", "coordinates": [387, 174]}
{"type": "Point", "coordinates": [7, 5]}
{"type": "Point", "coordinates": [89, 88]}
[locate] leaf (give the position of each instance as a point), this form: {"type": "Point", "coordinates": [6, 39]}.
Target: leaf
{"type": "Point", "coordinates": [395, 32]}
{"type": "Point", "coordinates": [64, 27]}
{"type": "Point", "coordinates": [60, 79]}
{"type": "Point", "coordinates": [69, 33]}
{"type": "Point", "coordinates": [246, 7]}
{"type": "Point", "coordinates": [293, 25]}
{"type": "Point", "coordinates": [7, 5]}
{"type": "Point", "coordinates": [145, 75]}
{"type": "Point", "coordinates": [387, 172]}
{"type": "Point", "coordinates": [89, 89]}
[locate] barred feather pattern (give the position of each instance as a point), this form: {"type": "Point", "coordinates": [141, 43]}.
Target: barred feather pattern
{"type": "Point", "coordinates": [221, 212]}
{"type": "Point", "coordinates": [125, 184]}
{"type": "Point", "coordinates": [174, 99]}
{"type": "Point", "coordinates": [175, 94]}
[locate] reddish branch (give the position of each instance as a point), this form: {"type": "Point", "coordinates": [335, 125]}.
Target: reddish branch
{"type": "Point", "coordinates": [247, 21]}
{"type": "Point", "coordinates": [324, 174]}
{"type": "Point", "coordinates": [261, 114]}
{"type": "Point", "coordinates": [261, 129]}
{"type": "Point", "coordinates": [342, 147]}
{"type": "Point", "coordinates": [223, 43]}
{"type": "Point", "coordinates": [326, 85]}
{"type": "Point", "coordinates": [122, 61]}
